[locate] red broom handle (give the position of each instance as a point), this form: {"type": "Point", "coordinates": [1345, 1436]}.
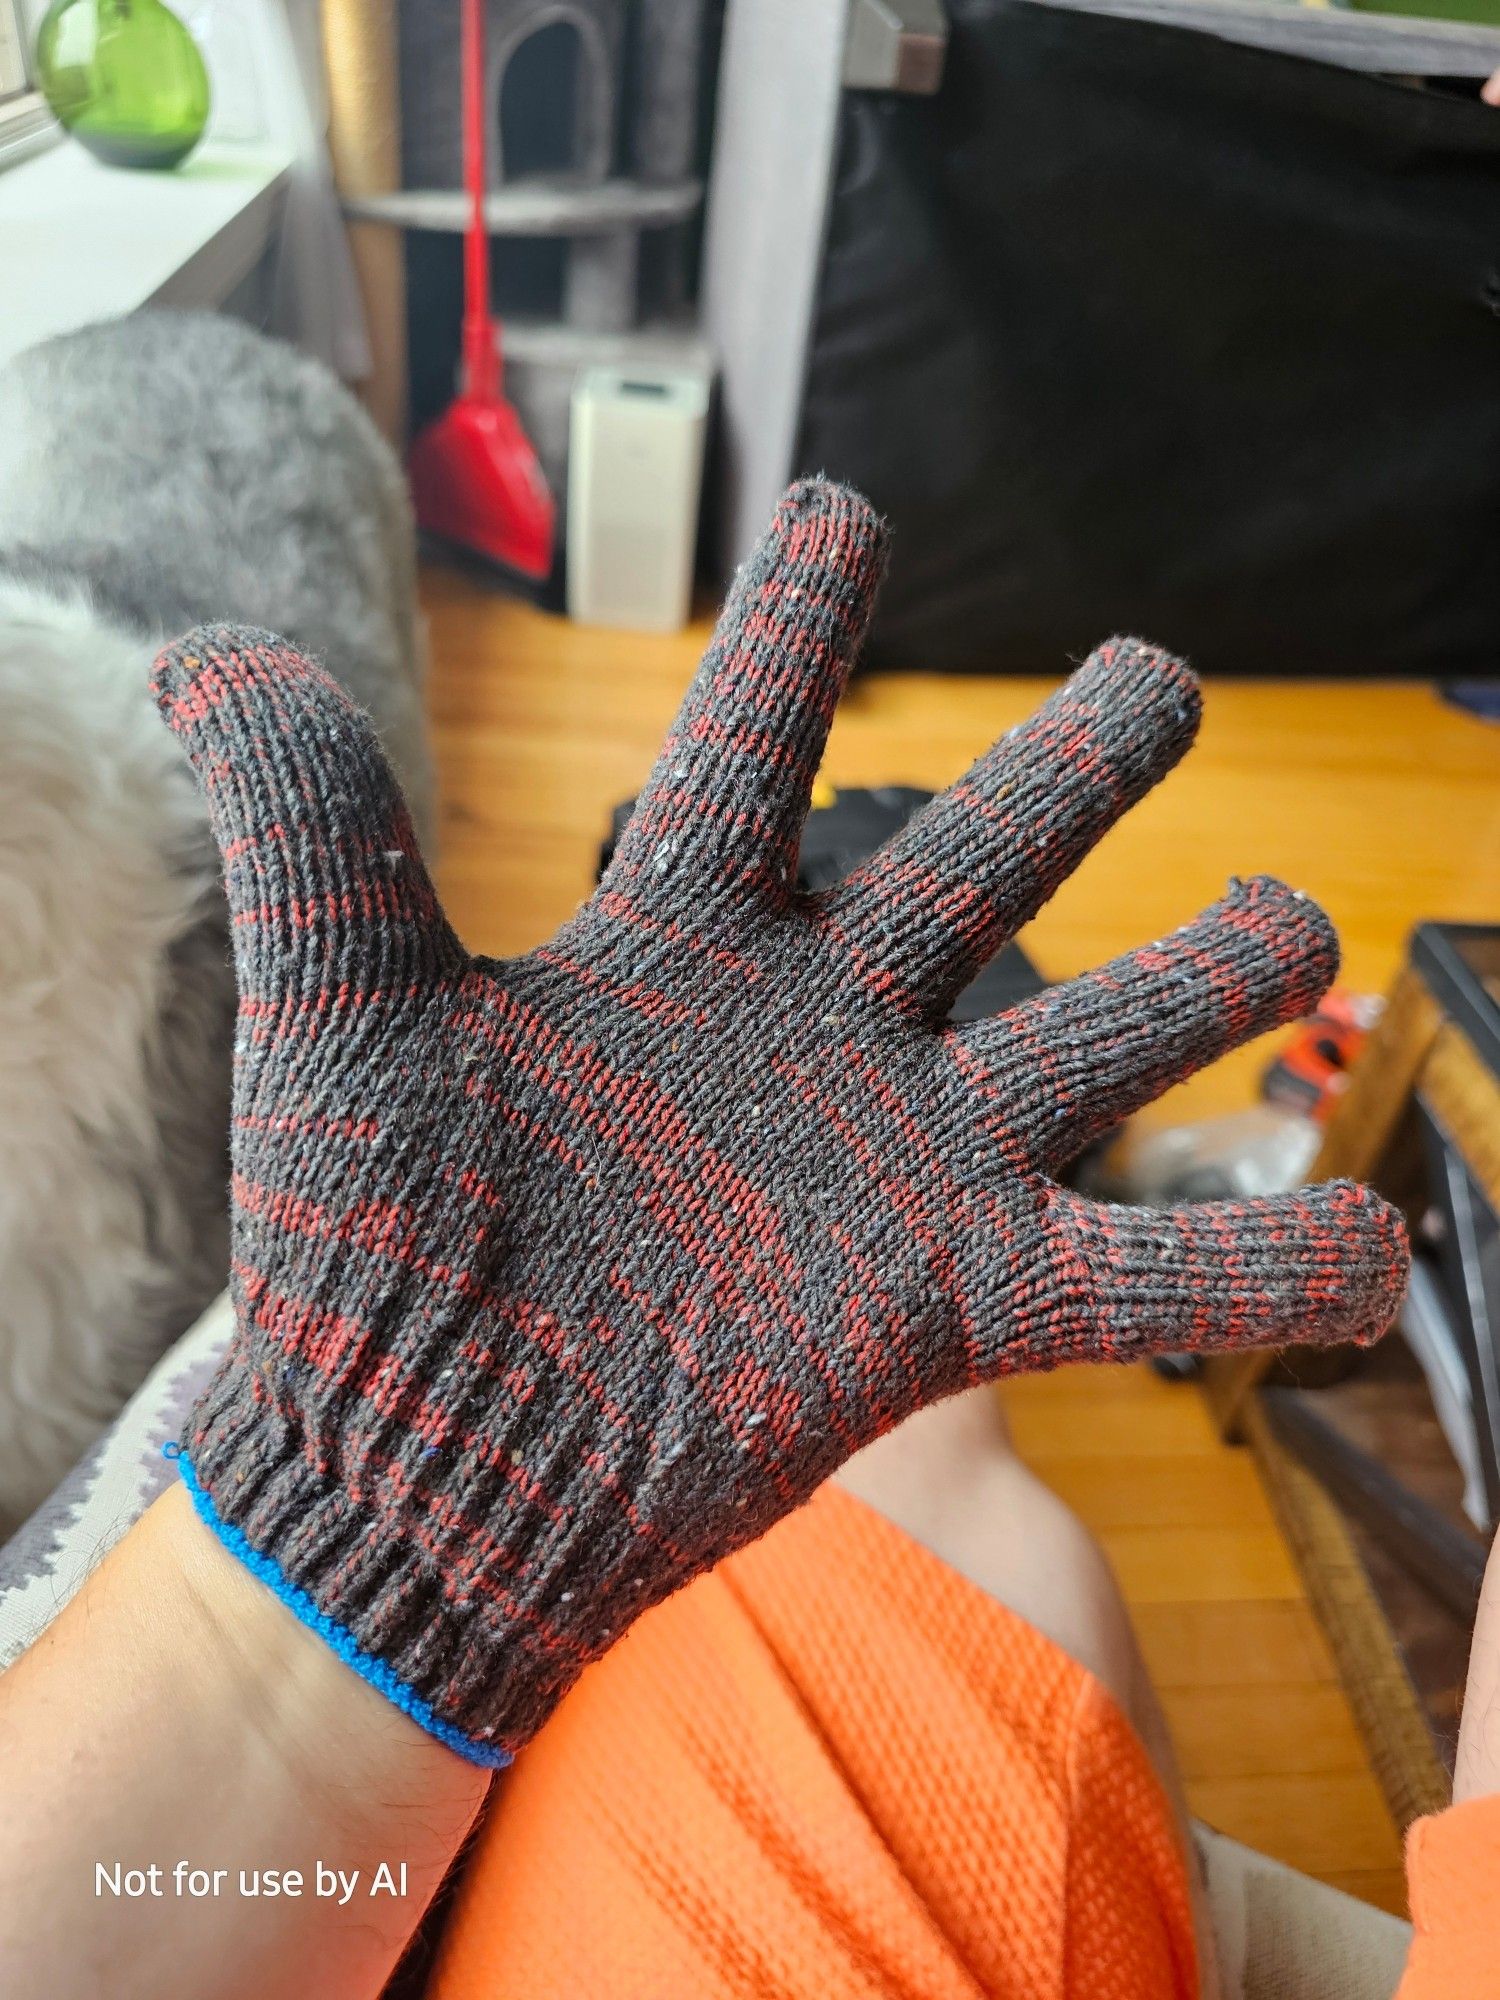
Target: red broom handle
{"type": "Point", "coordinates": [481, 350]}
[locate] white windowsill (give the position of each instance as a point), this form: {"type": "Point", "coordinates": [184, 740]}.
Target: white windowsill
{"type": "Point", "coordinates": [80, 241]}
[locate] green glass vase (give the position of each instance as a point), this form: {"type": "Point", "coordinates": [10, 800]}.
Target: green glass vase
{"type": "Point", "coordinates": [125, 78]}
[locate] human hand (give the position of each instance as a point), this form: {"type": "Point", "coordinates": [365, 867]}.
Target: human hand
{"type": "Point", "coordinates": [557, 1278]}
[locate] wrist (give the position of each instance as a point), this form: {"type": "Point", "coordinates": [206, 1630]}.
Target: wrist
{"type": "Point", "coordinates": [318, 1721]}
{"type": "Point", "coordinates": [176, 1721]}
{"type": "Point", "coordinates": [436, 1572]}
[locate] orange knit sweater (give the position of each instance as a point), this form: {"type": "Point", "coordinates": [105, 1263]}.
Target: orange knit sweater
{"type": "Point", "coordinates": [1453, 1876]}
{"type": "Point", "coordinates": [834, 1769]}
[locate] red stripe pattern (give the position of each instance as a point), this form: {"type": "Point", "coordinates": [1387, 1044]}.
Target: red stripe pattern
{"type": "Point", "coordinates": [557, 1279]}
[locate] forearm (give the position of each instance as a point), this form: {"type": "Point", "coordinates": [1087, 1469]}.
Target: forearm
{"type": "Point", "coordinates": [177, 1713]}
{"type": "Point", "coordinates": [1477, 1768]}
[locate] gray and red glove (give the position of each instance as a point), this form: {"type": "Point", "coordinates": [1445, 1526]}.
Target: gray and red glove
{"type": "Point", "coordinates": [558, 1278]}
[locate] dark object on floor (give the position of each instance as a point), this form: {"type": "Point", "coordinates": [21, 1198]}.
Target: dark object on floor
{"type": "Point", "coordinates": [1127, 299]}
{"type": "Point", "coordinates": [1177, 1367]}
{"type": "Point", "coordinates": [838, 836]}
{"type": "Point", "coordinates": [1481, 698]}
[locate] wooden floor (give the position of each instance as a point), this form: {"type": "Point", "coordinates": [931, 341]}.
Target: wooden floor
{"type": "Point", "coordinates": [1380, 801]}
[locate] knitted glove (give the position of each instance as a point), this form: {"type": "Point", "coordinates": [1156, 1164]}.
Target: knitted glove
{"type": "Point", "coordinates": [558, 1278]}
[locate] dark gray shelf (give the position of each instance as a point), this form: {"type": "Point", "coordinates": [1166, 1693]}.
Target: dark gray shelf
{"type": "Point", "coordinates": [662, 343]}
{"type": "Point", "coordinates": [537, 207]}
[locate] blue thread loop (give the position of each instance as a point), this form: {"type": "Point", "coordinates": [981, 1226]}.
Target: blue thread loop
{"type": "Point", "coordinates": [338, 1637]}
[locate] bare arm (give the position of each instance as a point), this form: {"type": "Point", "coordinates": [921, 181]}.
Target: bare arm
{"type": "Point", "coordinates": [176, 1712]}
{"type": "Point", "coordinates": [1477, 1770]}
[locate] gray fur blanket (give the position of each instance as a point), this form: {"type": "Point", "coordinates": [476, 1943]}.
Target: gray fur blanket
{"type": "Point", "coordinates": [155, 472]}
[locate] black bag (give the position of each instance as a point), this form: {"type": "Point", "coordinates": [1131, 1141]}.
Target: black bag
{"type": "Point", "coordinates": [1133, 329]}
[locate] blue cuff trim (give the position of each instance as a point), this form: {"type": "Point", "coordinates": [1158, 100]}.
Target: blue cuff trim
{"type": "Point", "coordinates": [339, 1637]}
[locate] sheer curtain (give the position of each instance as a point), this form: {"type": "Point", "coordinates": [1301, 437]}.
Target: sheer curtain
{"type": "Point", "coordinates": [265, 61]}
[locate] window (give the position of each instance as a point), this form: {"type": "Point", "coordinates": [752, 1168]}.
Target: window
{"type": "Point", "coordinates": [25, 121]}
{"type": "Point", "coordinates": [12, 53]}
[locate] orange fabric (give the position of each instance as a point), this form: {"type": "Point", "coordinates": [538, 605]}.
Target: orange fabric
{"type": "Point", "coordinates": [1453, 1874]}
{"type": "Point", "coordinates": [832, 1768]}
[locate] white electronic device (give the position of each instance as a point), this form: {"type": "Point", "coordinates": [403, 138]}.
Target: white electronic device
{"type": "Point", "coordinates": [635, 473]}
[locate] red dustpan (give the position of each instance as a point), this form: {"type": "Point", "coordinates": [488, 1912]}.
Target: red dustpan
{"type": "Point", "coordinates": [475, 479]}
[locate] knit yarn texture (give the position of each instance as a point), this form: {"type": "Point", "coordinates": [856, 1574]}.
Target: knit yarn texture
{"type": "Point", "coordinates": [557, 1278]}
